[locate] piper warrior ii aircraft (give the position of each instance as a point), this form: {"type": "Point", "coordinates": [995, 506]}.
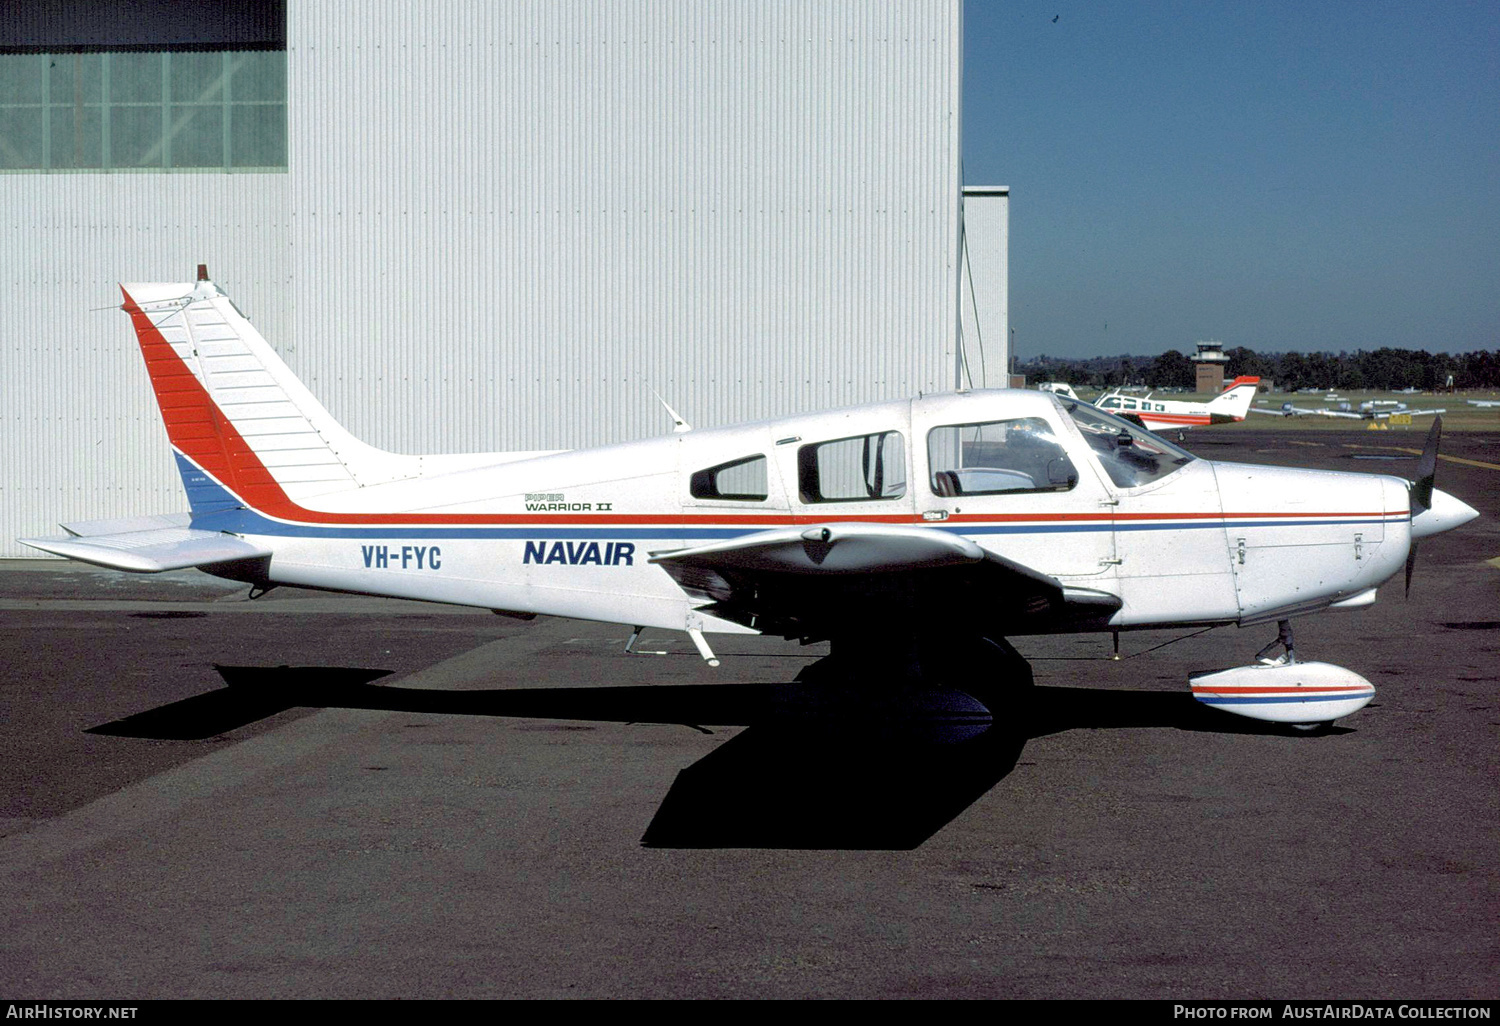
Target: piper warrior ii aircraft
{"type": "Point", "coordinates": [914, 536]}
{"type": "Point", "coordinates": [1228, 407]}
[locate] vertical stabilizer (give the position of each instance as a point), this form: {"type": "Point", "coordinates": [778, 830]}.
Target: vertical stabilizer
{"type": "Point", "coordinates": [1235, 400]}
{"type": "Point", "coordinates": [239, 418]}
{"type": "Point", "coordinates": [232, 408]}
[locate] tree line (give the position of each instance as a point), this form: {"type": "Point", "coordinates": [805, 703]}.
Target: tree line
{"type": "Point", "coordinates": [1377, 370]}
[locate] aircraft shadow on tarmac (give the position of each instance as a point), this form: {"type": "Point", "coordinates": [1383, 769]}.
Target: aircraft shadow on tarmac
{"type": "Point", "coordinates": [818, 767]}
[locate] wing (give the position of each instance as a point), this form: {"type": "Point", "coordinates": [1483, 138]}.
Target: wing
{"type": "Point", "coordinates": [1288, 410]}
{"type": "Point", "coordinates": [1386, 414]}
{"type": "Point", "coordinates": [833, 579]}
{"type": "Point", "coordinates": [147, 545]}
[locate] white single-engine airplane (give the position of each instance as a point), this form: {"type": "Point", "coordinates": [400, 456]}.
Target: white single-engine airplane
{"type": "Point", "coordinates": [915, 536]}
{"type": "Point", "coordinates": [1228, 407]}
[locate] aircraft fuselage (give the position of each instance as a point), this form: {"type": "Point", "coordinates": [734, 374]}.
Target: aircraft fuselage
{"type": "Point", "coordinates": [571, 534]}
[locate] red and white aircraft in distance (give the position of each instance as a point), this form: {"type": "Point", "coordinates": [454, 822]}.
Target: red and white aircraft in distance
{"type": "Point", "coordinates": [1228, 407]}
{"type": "Point", "coordinates": [915, 536]}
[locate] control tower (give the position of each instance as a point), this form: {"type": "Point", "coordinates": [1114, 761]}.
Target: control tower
{"type": "Point", "coordinates": [1210, 360]}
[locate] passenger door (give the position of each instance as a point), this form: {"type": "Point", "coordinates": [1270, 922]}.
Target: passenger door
{"type": "Point", "coordinates": [1015, 486]}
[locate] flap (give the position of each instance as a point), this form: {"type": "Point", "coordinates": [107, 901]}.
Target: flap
{"type": "Point", "coordinates": [832, 579]}
{"type": "Point", "coordinates": [830, 549]}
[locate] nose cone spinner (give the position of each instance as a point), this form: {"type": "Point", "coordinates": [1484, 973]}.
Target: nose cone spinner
{"type": "Point", "coordinates": [1444, 514]}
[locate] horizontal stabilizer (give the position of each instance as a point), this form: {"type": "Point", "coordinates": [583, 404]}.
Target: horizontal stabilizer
{"type": "Point", "coordinates": [150, 551]}
{"type": "Point", "coordinates": [126, 525]}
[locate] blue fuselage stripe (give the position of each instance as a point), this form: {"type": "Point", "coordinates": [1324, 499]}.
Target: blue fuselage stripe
{"type": "Point", "coordinates": [242, 521]}
{"type": "Point", "coordinates": [1275, 699]}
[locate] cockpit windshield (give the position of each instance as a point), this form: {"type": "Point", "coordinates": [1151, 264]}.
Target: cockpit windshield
{"type": "Point", "coordinates": [1131, 455]}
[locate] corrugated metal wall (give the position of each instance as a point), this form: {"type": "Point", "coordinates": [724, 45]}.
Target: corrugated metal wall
{"type": "Point", "coordinates": [82, 438]}
{"type": "Point", "coordinates": [504, 224]}
{"type": "Point", "coordinates": [551, 208]}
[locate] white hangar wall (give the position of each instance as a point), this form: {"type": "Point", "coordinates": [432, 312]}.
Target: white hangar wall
{"type": "Point", "coordinates": [502, 225]}
{"type": "Point", "coordinates": [553, 208]}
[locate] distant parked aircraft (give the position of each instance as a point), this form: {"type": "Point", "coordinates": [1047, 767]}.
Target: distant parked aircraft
{"type": "Point", "coordinates": [1154, 414]}
{"type": "Point", "coordinates": [1369, 410]}
{"type": "Point", "coordinates": [1228, 407]}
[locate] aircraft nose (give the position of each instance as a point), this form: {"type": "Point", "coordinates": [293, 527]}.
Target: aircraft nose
{"type": "Point", "coordinates": [1445, 514]}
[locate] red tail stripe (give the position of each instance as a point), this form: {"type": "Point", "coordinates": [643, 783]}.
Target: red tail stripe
{"type": "Point", "coordinates": [196, 426]}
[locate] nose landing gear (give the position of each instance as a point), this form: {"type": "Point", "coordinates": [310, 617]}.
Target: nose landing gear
{"type": "Point", "coordinates": [1284, 640]}
{"type": "Point", "coordinates": [1307, 696]}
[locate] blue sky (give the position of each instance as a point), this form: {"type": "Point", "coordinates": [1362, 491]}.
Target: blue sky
{"type": "Point", "coordinates": [1285, 176]}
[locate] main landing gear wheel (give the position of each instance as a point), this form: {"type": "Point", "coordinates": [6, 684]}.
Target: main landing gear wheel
{"type": "Point", "coordinates": [906, 675]}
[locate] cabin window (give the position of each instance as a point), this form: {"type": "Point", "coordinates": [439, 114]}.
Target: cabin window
{"type": "Point", "coordinates": [742, 480]}
{"type": "Point", "coordinates": [999, 456]}
{"type": "Point", "coordinates": [858, 469]}
{"type": "Point", "coordinates": [1130, 454]}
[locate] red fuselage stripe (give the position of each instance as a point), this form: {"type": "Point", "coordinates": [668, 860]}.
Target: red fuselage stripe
{"type": "Point", "coordinates": [1173, 418]}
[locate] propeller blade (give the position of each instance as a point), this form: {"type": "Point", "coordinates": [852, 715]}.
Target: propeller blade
{"type": "Point", "coordinates": [1421, 488]}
